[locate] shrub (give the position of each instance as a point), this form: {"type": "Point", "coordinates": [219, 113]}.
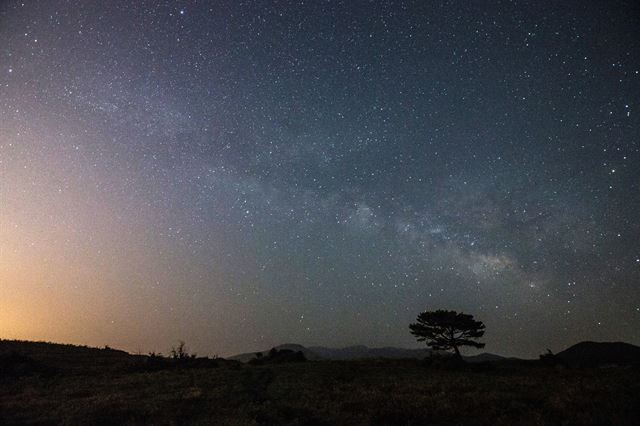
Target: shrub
{"type": "Point", "coordinates": [181, 353]}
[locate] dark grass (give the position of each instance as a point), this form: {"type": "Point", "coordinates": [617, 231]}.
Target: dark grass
{"type": "Point", "coordinates": [327, 392]}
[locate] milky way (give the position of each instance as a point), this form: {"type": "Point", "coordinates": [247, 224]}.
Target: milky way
{"type": "Point", "coordinates": [243, 174]}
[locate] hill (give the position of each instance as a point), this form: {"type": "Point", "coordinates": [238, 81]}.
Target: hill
{"type": "Point", "coordinates": [596, 354]}
{"type": "Point", "coordinates": [68, 357]}
{"type": "Point", "coordinates": [22, 358]}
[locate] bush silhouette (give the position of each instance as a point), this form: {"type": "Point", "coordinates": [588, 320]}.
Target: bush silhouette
{"type": "Point", "coordinates": [178, 358]}
{"type": "Point", "coordinates": [181, 353]}
{"type": "Point", "coordinates": [552, 360]}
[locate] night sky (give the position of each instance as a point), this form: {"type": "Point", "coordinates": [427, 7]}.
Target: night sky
{"type": "Point", "coordinates": [241, 174]}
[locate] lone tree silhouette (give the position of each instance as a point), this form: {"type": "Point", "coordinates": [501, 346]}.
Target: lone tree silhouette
{"type": "Point", "coordinates": [446, 330]}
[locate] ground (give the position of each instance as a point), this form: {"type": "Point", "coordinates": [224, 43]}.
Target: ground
{"type": "Point", "coordinates": [327, 392]}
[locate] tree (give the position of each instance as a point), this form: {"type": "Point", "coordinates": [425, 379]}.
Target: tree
{"type": "Point", "coordinates": [446, 330]}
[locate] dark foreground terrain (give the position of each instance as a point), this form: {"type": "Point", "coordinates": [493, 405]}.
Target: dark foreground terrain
{"type": "Point", "coordinates": [112, 387]}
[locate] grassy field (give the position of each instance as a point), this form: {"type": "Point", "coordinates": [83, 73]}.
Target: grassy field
{"type": "Point", "coordinates": [323, 392]}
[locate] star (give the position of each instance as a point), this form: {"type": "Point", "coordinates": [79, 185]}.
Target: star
{"type": "Point", "coordinates": [347, 166]}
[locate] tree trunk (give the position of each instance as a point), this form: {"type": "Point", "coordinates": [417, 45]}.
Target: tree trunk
{"type": "Point", "coordinates": [457, 355]}
{"type": "Point", "coordinates": [453, 343]}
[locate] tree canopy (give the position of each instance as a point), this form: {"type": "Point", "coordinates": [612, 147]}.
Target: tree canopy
{"type": "Point", "coordinates": [445, 330]}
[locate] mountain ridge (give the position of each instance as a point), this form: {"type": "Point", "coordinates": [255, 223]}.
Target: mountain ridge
{"type": "Point", "coordinates": [362, 352]}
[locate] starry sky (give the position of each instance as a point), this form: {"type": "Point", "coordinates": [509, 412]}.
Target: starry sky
{"type": "Point", "coordinates": [241, 174]}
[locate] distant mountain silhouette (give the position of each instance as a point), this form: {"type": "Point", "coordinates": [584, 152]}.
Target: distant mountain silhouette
{"type": "Point", "coordinates": [65, 357]}
{"type": "Point", "coordinates": [246, 357]}
{"type": "Point", "coordinates": [278, 356]}
{"type": "Point", "coordinates": [364, 352]}
{"type": "Point", "coordinates": [487, 357]}
{"type": "Point", "coordinates": [360, 352]}
{"type": "Point", "coordinates": [594, 354]}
